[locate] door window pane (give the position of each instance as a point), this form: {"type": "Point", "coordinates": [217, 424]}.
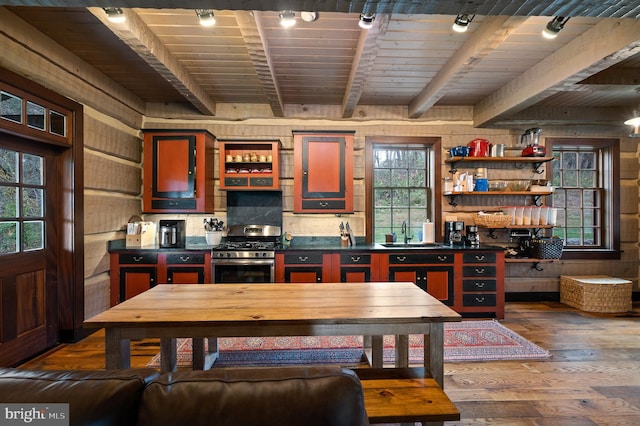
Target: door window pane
{"type": "Point", "coordinates": [33, 235]}
{"type": "Point", "coordinates": [36, 116]}
{"type": "Point", "coordinates": [8, 237]}
{"type": "Point", "coordinates": [32, 202]}
{"type": "Point", "coordinates": [10, 107]}
{"type": "Point", "coordinates": [32, 173]}
{"type": "Point", "coordinates": [8, 166]}
{"type": "Point", "coordinates": [8, 202]}
{"type": "Point", "coordinates": [57, 123]}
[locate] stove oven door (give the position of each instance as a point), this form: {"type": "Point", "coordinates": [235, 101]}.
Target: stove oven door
{"type": "Point", "coordinates": [228, 271]}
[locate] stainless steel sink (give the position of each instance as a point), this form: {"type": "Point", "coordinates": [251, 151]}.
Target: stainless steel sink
{"type": "Point", "coordinates": [410, 245]}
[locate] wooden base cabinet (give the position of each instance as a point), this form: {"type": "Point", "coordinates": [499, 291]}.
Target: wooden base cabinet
{"type": "Point", "coordinates": [480, 286]}
{"type": "Point", "coordinates": [134, 272]}
{"type": "Point", "coordinates": [178, 171]}
{"type": "Point", "coordinates": [434, 273]}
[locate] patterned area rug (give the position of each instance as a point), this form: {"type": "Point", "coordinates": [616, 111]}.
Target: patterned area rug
{"type": "Point", "coordinates": [463, 341]}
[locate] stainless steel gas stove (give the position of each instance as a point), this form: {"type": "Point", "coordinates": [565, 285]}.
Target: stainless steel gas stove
{"type": "Point", "coordinates": [247, 255]}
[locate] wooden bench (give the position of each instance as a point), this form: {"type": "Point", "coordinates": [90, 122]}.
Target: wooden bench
{"type": "Point", "coordinates": [400, 395]}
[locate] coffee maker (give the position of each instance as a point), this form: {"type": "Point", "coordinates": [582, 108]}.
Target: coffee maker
{"type": "Point", "coordinates": [172, 234]}
{"type": "Point", "coordinates": [473, 238]}
{"type": "Point", "coordinates": [454, 232]}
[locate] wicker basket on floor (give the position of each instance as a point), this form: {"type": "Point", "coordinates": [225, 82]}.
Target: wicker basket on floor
{"type": "Point", "coordinates": [598, 293]}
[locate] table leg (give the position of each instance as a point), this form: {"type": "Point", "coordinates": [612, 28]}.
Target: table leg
{"type": "Point", "coordinates": [373, 347]}
{"type": "Point", "coordinates": [434, 357]}
{"type": "Point", "coordinates": [198, 357]}
{"type": "Point", "coordinates": [168, 354]}
{"type": "Point", "coordinates": [117, 350]}
{"type": "Point", "coordinates": [402, 350]}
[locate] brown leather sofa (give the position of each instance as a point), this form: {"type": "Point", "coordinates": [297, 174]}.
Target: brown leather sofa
{"type": "Point", "coordinates": [278, 396]}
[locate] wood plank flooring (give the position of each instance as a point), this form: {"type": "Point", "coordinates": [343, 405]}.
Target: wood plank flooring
{"type": "Point", "coordinates": [593, 377]}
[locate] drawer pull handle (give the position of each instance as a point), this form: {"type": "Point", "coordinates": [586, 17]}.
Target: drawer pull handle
{"type": "Point", "coordinates": [303, 259]}
{"type": "Point", "coordinates": [401, 258]}
{"type": "Point", "coordinates": [185, 258]}
{"type": "Point", "coordinates": [480, 257]}
{"type": "Point", "coordinates": [480, 271]}
{"type": "Point", "coordinates": [480, 299]}
{"type": "Point", "coordinates": [137, 258]}
{"type": "Point", "coordinates": [355, 259]}
{"type": "Point", "coordinates": [480, 285]}
{"type": "Point", "coordinates": [324, 204]}
{"type": "Point", "coordinates": [443, 258]}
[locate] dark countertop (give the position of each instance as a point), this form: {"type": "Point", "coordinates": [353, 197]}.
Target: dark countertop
{"type": "Point", "coordinates": [307, 243]}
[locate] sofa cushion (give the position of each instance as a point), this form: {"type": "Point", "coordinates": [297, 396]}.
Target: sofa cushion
{"type": "Point", "coordinates": [278, 396]}
{"type": "Point", "coordinates": [95, 397]}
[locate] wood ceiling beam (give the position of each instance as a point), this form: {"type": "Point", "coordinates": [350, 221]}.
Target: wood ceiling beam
{"type": "Point", "coordinates": [252, 30]}
{"type": "Point", "coordinates": [366, 52]}
{"type": "Point", "coordinates": [620, 76]}
{"type": "Point", "coordinates": [605, 44]}
{"type": "Point", "coordinates": [135, 34]}
{"type": "Point", "coordinates": [540, 116]}
{"type": "Point", "coordinates": [492, 32]}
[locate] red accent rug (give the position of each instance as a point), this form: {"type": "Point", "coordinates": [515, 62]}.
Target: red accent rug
{"type": "Point", "coordinates": [463, 341]}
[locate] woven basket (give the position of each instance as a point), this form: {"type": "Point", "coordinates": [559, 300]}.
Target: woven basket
{"type": "Point", "coordinates": [546, 248]}
{"type": "Point", "coordinates": [492, 220]}
{"type": "Point", "coordinates": [599, 293]}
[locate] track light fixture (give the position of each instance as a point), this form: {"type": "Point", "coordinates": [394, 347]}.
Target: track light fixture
{"type": "Point", "coordinates": [206, 17]}
{"type": "Point", "coordinates": [115, 15]}
{"type": "Point", "coordinates": [366, 20]}
{"type": "Point", "coordinates": [287, 18]}
{"type": "Point", "coordinates": [635, 122]}
{"type": "Point", "coordinates": [554, 26]}
{"type": "Point", "coordinates": [461, 23]}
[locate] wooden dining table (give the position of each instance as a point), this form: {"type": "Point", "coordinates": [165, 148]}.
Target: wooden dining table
{"type": "Point", "coordinates": [210, 311]}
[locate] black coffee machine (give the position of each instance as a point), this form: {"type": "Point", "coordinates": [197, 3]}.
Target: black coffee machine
{"type": "Point", "coordinates": [454, 232]}
{"type": "Point", "coordinates": [473, 237]}
{"type": "Point", "coordinates": [172, 234]}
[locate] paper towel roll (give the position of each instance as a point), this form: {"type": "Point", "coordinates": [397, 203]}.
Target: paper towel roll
{"type": "Point", "coordinates": [428, 232]}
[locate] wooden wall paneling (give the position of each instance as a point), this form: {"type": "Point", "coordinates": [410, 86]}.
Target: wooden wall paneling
{"type": "Point", "coordinates": [96, 295]}
{"type": "Point", "coordinates": [111, 140]}
{"type": "Point", "coordinates": [108, 213]}
{"type": "Point", "coordinates": [102, 173]}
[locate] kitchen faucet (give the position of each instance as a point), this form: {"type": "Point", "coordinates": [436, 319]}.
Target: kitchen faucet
{"type": "Point", "coordinates": [404, 232]}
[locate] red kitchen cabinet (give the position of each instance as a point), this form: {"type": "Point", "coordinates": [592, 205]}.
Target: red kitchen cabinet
{"type": "Point", "coordinates": [249, 165]}
{"type": "Point", "coordinates": [323, 172]}
{"type": "Point", "coordinates": [178, 171]}
{"type": "Point", "coordinates": [131, 273]}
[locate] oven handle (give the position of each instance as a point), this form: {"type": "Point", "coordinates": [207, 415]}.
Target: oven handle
{"type": "Point", "coordinates": [242, 261]}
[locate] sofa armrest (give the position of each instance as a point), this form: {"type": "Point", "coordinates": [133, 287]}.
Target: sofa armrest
{"type": "Point", "coordinates": [95, 397]}
{"type": "Point", "coordinates": [271, 396]}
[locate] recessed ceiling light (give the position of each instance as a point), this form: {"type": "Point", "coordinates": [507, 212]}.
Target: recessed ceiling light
{"type": "Point", "coordinates": [309, 16]}
{"type": "Point", "coordinates": [206, 17]}
{"type": "Point", "coordinates": [366, 21]}
{"type": "Point", "coordinates": [287, 18]}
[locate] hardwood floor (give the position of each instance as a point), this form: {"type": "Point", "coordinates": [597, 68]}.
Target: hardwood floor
{"type": "Point", "coordinates": [593, 377]}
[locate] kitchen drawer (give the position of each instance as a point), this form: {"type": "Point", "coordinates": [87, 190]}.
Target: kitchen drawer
{"type": "Point", "coordinates": [479, 257]}
{"type": "Point", "coordinates": [478, 271]}
{"type": "Point", "coordinates": [321, 204]}
{"type": "Point", "coordinates": [479, 285]}
{"type": "Point", "coordinates": [137, 258]}
{"type": "Point", "coordinates": [261, 181]}
{"type": "Point", "coordinates": [303, 258]}
{"type": "Point", "coordinates": [185, 259]}
{"type": "Point", "coordinates": [355, 259]}
{"type": "Point", "coordinates": [478, 299]}
{"type": "Point", "coordinates": [236, 181]}
{"type": "Point", "coordinates": [173, 204]}
{"type": "Point", "coordinates": [421, 259]}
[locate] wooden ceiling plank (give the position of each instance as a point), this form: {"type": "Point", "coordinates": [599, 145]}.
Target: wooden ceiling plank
{"type": "Point", "coordinates": [253, 33]}
{"type": "Point", "coordinates": [366, 52]}
{"type": "Point", "coordinates": [494, 30]}
{"type": "Point", "coordinates": [605, 44]}
{"type": "Point", "coordinates": [135, 34]}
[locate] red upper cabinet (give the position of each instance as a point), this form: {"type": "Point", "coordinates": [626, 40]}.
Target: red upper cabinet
{"type": "Point", "coordinates": [178, 171]}
{"type": "Point", "coordinates": [323, 172]}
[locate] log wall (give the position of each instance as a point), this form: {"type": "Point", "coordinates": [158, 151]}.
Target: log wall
{"type": "Point", "coordinates": [113, 160]}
